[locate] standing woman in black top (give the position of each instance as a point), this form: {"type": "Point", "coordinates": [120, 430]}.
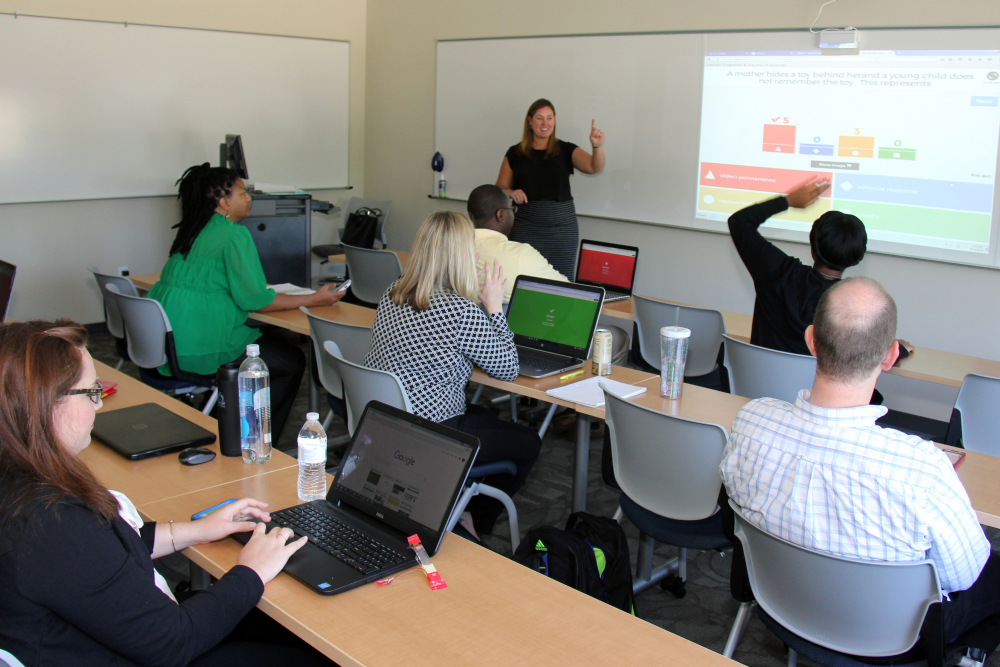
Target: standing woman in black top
{"type": "Point", "coordinates": [77, 584]}
{"type": "Point", "coordinates": [535, 173]}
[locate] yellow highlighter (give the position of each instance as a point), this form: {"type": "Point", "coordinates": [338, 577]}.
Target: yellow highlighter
{"type": "Point", "coordinates": [571, 375]}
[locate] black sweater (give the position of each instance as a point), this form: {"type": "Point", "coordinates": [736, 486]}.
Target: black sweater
{"type": "Point", "coordinates": [76, 590]}
{"type": "Point", "coordinates": [787, 290]}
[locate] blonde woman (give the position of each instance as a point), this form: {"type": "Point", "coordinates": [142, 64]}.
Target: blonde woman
{"type": "Point", "coordinates": [429, 331]}
{"type": "Point", "coordinates": [535, 174]}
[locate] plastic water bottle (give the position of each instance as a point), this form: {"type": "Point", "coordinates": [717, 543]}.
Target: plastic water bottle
{"type": "Point", "coordinates": [312, 459]}
{"type": "Point", "coordinates": [255, 408]}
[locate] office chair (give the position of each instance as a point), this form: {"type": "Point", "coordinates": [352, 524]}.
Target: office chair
{"type": "Point", "coordinates": [362, 385]}
{"type": "Point", "coordinates": [113, 318]}
{"type": "Point", "coordinates": [975, 419]}
{"type": "Point", "coordinates": [759, 372]}
{"type": "Point", "coordinates": [151, 345]}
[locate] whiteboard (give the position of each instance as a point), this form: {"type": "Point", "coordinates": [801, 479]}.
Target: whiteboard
{"type": "Point", "coordinates": [645, 91]}
{"type": "Point", "coordinates": [92, 110]}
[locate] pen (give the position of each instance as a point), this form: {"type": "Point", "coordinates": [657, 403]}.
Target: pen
{"type": "Point", "coordinates": [571, 375]}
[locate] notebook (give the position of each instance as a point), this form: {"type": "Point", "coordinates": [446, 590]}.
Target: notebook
{"type": "Point", "coordinates": [401, 475]}
{"type": "Point", "coordinates": [553, 324]}
{"type": "Point", "coordinates": [588, 392]}
{"type": "Point", "coordinates": [607, 265]}
{"type": "Point", "coordinates": [146, 430]}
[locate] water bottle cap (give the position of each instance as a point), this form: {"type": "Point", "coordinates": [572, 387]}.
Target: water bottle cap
{"type": "Point", "coordinates": [312, 416]}
{"type": "Point", "coordinates": [675, 332]}
{"type": "Point", "coordinates": [253, 350]}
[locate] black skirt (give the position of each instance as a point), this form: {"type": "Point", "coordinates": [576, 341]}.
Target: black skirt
{"type": "Point", "coordinates": [551, 228]}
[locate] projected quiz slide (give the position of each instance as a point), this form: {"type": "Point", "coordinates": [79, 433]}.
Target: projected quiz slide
{"type": "Point", "coordinates": [908, 139]}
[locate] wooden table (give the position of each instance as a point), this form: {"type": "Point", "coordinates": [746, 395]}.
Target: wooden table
{"type": "Point", "coordinates": [164, 477]}
{"type": "Point", "coordinates": [979, 472]}
{"type": "Point", "coordinates": [494, 611]}
{"type": "Point", "coordinates": [404, 258]}
{"type": "Point", "coordinates": [695, 403]}
{"type": "Point", "coordinates": [927, 364]}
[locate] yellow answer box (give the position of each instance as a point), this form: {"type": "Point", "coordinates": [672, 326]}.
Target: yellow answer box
{"type": "Point", "coordinates": [724, 200]}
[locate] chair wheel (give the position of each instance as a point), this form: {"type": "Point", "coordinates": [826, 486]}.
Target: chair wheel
{"type": "Point", "coordinates": [675, 585]}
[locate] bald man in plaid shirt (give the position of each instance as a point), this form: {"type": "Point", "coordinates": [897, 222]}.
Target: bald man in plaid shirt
{"type": "Point", "coordinates": [821, 474]}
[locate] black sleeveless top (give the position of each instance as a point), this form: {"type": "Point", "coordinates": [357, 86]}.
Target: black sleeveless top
{"type": "Point", "coordinates": [541, 178]}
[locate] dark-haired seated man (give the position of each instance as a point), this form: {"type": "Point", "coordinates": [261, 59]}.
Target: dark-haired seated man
{"type": "Point", "coordinates": [821, 474]}
{"type": "Point", "coordinates": [492, 212]}
{"type": "Point", "coordinates": [787, 289]}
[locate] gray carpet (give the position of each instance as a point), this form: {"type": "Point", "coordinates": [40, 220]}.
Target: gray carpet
{"type": "Point", "coordinates": [704, 616]}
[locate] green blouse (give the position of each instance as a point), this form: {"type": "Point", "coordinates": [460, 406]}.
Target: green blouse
{"type": "Point", "coordinates": [208, 295]}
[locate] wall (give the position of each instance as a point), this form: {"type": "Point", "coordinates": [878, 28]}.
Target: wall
{"type": "Point", "coordinates": [942, 306]}
{"type": "Point", "coordinates": [52, 244]}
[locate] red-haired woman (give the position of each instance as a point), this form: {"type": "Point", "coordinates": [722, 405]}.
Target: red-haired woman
{"type": "Point", "coordinates": [77, 584]}
{"type": "Point", "coordinates": [535, 173]}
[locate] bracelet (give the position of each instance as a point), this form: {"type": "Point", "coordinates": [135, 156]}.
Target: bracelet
{"type": "Point", "coordinates": [171, 531]}
{"type": "Point", "coordinates": [596, 147]}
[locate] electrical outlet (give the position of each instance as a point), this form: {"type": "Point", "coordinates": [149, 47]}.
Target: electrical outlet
{"type": "Point", "coordinates": [123, 270]}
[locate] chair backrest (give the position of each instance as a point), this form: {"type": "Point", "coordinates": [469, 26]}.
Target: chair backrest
{"type": "Point", "coordinates": [112, 317]}
{"type": "Point", "coordinates": [979, 404]}
{"type": "Point", "coordinates": [372, 271]}
{"type": "Point", "coordinates": [707, 328]}
{"type": "Point", "coordinates": [858, 607]}
{"type": "Point", "coordinates": [382, 205]}
{"type": "Point", "coordinates": [362, 385]}
{"type": "Point", "coordinates": [666, 464]}
{"type": "Point", "coordinates": [146, 327]}
{"type": "Point", "coordinates": [352, 340]}
{"type": "Point", "coordinates": [759, 372]}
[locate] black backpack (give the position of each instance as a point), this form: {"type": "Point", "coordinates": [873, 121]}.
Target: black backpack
{"type": "Point", "coordinates": [591, 555]}
{"type": "Point", "coordinates": [361, 227]}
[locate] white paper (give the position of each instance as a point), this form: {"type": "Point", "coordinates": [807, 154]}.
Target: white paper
{"type": "Point", "coordinates": [588, 392]}
{"type": "Point", "coordinates": [292, 290]}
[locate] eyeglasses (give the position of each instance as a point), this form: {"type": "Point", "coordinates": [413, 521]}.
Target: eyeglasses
{"type": "Point", "coordinates": [512, 209]}
{"type": "Point", "coordinates": [94, 393]}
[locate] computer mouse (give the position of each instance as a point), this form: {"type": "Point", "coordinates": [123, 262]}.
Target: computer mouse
{"type": "Point", "coordinates": [192, 456]}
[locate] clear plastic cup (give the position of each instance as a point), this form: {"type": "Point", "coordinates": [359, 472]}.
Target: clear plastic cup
{"type": "Point", "coordinates": [673, 356]}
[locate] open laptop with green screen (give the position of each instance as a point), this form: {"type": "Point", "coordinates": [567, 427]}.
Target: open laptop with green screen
{"type": "Point", "coordinates": [553, 324]}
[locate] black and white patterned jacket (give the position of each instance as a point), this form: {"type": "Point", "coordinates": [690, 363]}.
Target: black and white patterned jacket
{"type": "Point", "coordinates": [432, 351]}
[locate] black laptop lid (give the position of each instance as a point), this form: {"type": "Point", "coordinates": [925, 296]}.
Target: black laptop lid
{"type": "Point", "coordinates": [607, 265]}
{"type": "Point", "coordinates": [7, 271]}
{"type": "Point", "coordinates": [147, 430]}
{"type": "Point", "coordinates": [554, 316]}
{"type": "Point", "coordinates": [405, 471]}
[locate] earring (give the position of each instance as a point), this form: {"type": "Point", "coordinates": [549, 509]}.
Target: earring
{"type": "Point", "coordinates": [227, 217]}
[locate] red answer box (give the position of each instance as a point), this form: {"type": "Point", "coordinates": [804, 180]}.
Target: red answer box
{"type": "Point", "coordinates": [761, 179]}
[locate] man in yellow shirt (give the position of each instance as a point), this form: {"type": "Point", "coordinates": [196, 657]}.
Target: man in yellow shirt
{"type": "Point", "coordinates": [492, 212]}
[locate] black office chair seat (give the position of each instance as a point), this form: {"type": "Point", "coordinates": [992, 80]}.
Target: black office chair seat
{"type": "Point", "coordinates": [327, 249]}
{"type": "Point", "coordinates": [701, 535]}
{"type": "Point", "coordinates": [161, 382]}
{"type": "Point", "coordinates": [915, 657]}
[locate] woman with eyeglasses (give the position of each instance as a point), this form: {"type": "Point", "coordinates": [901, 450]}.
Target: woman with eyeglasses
{"type": "Point", "coordinates": [77, 584]}
{"type": "Point", "coordinates": [214, 279]}
{"type": "Point", "coordinates": [535, 173]}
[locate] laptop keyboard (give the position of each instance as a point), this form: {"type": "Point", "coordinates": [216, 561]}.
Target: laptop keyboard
{"type": "Point", "coordinates": [615, 296]}
{"type": "Point", "coordinates": [540, 361]}
{"type": "Point", "coordinates": [346, 544]}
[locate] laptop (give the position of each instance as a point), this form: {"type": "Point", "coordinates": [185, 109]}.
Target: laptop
{"type": "Point", "coordinates": [607, 265]}
{"type": "Point", "coordinates": [7, 271]}
{"type": "Point", "coordinates": [401, 475]}
{"type": "Point", "coordinates": [553, 324]}
{"type": "Point", "coordinates": [146, 430]}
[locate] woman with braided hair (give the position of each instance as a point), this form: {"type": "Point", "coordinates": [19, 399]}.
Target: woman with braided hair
{"type": "Point", "coordinates": [214, 279]}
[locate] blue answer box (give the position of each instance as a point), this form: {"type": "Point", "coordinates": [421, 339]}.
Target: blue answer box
{"type": "Point", "coordinates": [980, 101]}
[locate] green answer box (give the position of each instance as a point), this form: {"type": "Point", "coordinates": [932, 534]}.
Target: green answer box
{"type": "Point", "coordinates": [935, 222]}
{"type": "Point", "coordinates": [897, 153]}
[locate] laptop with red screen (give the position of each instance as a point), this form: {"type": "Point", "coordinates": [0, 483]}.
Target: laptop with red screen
{"type": "Point", "coordinates": [607, 265]}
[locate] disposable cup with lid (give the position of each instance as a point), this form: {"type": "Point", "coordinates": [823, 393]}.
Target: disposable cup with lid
{"type": "Point", "coordinates": [675, 332]}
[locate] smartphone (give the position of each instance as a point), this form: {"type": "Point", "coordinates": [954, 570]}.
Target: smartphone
{"type": "Point", "coordinates": [202, 514]}
{"type": "Point", "coordinates": [343, 286]}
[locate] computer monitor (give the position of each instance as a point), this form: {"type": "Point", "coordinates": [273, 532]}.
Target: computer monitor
{"type": "Point", "coordinates": [7, 271]}
{"type": "Point", "coordinates": [231, 155]}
